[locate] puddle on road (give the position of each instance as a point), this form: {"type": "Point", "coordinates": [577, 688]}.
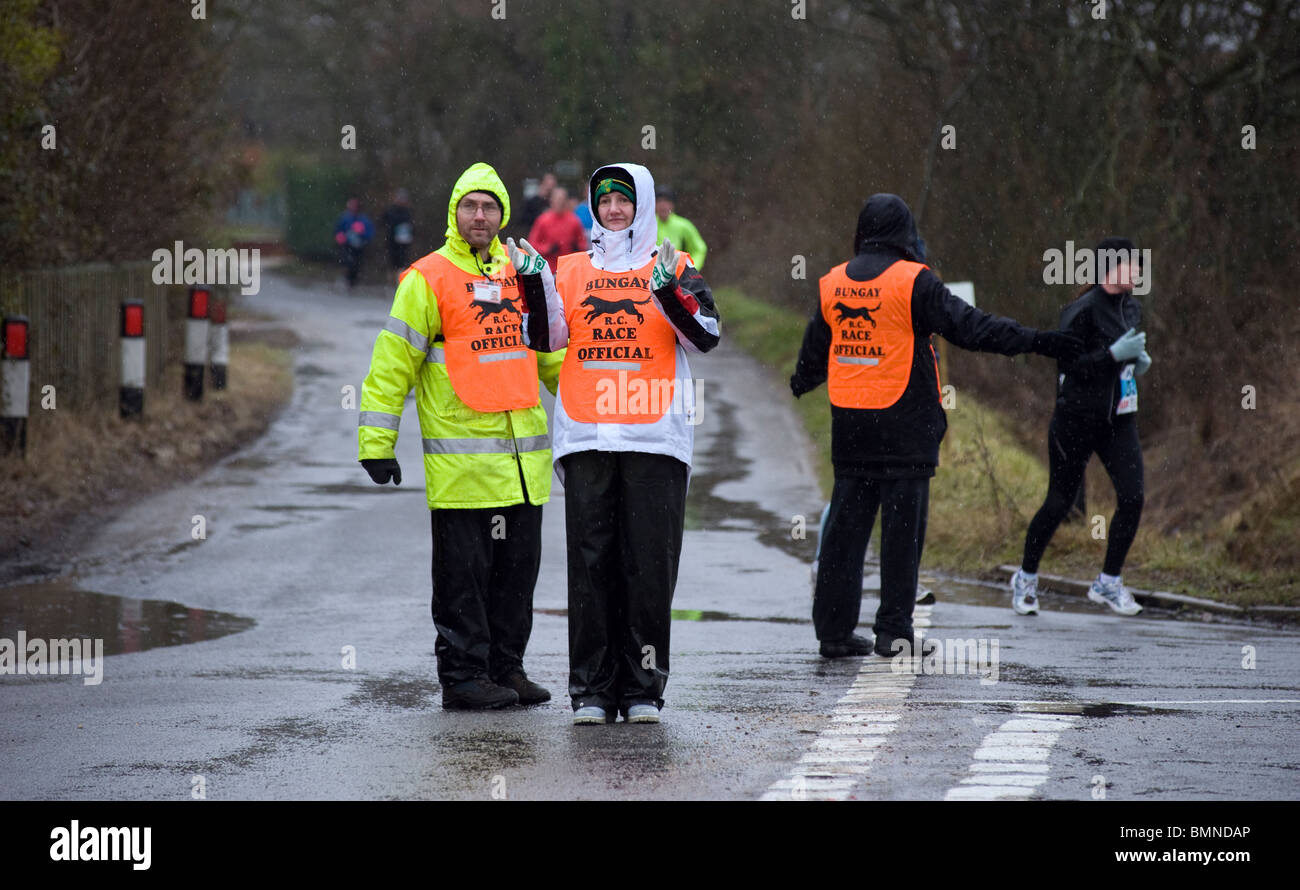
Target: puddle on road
{"type": "Point", "coordinates": [705, 510]}
{"type": "Point", "coordinates": [1119, 709]}
{"type": "Point", "coordinates": [57, 610]}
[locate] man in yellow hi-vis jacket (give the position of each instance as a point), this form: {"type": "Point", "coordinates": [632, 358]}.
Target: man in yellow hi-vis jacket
{"type": "Point", "coordinates": [453, 334]}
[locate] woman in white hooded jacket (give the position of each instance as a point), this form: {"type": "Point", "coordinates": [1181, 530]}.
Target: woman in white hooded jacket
{"type": "Point", "coordinates": [627, 313]}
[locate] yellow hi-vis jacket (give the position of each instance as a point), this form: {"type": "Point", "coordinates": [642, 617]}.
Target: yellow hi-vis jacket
{"type": "Point", "coordinates": [472, 458]}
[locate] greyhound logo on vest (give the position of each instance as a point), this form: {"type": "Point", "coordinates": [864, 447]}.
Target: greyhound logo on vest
{"type": "Point", "coordinates": [613, 307]}
{"type": "Point", "coordinates": [486, 308]}
{"type": "Point", "coordinates": [863, 312]}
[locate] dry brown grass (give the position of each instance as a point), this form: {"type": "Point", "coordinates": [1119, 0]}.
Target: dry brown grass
{"type": "Point", "coordinates": [88, 462]}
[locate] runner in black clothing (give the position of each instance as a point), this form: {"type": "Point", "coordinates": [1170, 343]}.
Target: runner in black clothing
{"type": "Point", "coordinates": [1096, 411]}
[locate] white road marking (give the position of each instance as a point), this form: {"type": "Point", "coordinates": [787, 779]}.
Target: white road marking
{"type": "Point", "coordinates": [864, 716]}
{"type": "Point", "coordinates": [1011, 761]}
{"type": "Point", "coordinates": [1073, 705]}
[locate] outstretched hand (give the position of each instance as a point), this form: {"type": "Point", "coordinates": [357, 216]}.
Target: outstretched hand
{"type": "Point", "coordinates": [665, 266]}
{"type": "Point", "coordinates": [524, 257]}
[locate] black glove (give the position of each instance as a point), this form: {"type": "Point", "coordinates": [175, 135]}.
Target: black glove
{"type": "Point", "coordinates": [382, 470]}
{"type": "Point", "coordinates": [1057, 345]}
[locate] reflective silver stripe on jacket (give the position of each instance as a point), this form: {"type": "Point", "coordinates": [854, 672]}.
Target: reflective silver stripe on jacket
{"type": "Point", "coordinates": [381, 419]}
{"type": "Point", "coordinates": [851, 360]}
{"type": "Point", "coordinates": [611, 366]}
{"type": "Point", "coordinates": [436, 356]}
{"type": "Point", "coordinates": [504, 356]}
{"type": "Point", "coordinates": [486, 446]}
{"type": "Point", "coordinates": [396, 326]}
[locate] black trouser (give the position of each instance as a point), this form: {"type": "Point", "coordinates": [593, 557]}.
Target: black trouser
{"type": "Point", "coordinates": [837, 602]}
{"type": "Point", "coordinates": [484, 570]}
{"type": "Point", "coordinates": [350, 257]}
{"type": "Point", "coordinates": [624, 512]}
{"type": "Point", "coordinates": [1070, 443]}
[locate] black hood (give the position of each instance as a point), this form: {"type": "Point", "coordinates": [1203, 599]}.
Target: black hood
{"type": "Point", "coordinates": [886, 221]}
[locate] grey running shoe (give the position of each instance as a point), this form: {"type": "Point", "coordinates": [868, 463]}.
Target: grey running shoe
{"type": "Point", "coordinates": [1024, 594]}
{"type": "Point", "coordinates": [1116, 596]}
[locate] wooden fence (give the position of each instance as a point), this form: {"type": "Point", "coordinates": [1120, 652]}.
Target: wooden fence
{"type": "Point", "coordinates": [75, 327]}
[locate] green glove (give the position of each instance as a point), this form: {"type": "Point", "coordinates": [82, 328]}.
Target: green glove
{"type": "Point", "coordinates": [665, 269]}
{"type": "Point", "coordinates": [527, 261]}
{"type": "Point", "coordinates": [1143, 364]}
{"type": "Point", "coordinates": [1129, 346]}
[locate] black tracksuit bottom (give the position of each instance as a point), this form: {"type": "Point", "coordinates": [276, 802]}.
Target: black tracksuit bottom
{"type": "Point", "coordinates": [624, 512]}
{"type": "Point", "coordinates": [1071, 441]}
{"type": "Point", "coordinates": [837, 601]}
{"type": "Point", "coordinates": [484, 570]}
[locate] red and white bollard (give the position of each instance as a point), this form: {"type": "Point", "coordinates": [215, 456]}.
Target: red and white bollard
{"type": "Point", "coordinates": [196, 343]}
{"type": "Point", "coordinates": [16, 374]}
{"type": "Point", "coordinates": [218, 344]}
{"type": "Point", "coordinates": [131, 396]}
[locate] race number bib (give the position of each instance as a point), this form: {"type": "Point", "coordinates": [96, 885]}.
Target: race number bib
{"type": "Point", "coordinates": [487, 292]}
{"type": "Point", "coordinates": [1128, 392]}
{"type": "Point", "coordinates": [402, 233]}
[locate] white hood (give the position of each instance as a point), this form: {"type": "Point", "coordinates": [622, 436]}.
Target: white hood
{"type": "Point", "coordinates": [633, 247]}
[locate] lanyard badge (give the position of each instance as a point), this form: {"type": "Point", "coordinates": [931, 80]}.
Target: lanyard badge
{"type": "Point", "coordinates": [487, 291]}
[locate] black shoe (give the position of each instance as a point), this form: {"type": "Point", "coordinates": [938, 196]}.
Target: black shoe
{"type": "Point", "coordinates": [529, 692]}
{"type": "Point", "coordinates": [477, 695]}
{"type": "Point", "coordinates": [906, 646]}
{"type": "Point", "coordinates": [854, 645]}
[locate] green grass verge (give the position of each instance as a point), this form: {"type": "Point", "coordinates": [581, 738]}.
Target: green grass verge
{"type": "Point", "coordinates": [988, 488]}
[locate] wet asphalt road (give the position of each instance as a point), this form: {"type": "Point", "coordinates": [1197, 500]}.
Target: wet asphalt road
{"type": "Point", "coordinates": [305, 556]}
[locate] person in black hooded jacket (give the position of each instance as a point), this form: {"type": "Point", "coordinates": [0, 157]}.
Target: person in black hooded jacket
{"type": "Point", "coordinates": [886, 419]}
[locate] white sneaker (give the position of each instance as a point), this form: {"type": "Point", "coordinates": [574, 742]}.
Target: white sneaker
{"type": "Point", "coordinates": [591, 715]}
{"type": "Point", "coordinates": [642, 714]}
{"type": "Point", "coordinates": [1116, 596]}
{"type": "Point", "coordinates": [924, 595]}
{"type": "Point", "coordinates": [1024, 594]}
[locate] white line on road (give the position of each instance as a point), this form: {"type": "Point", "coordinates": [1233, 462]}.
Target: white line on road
{"type": "Point", "coordinates": [1079, 703]}
{"type": "Point", "coordinates": [842, 753]}
{"type": "Point", "coordinates": [1011, 761]}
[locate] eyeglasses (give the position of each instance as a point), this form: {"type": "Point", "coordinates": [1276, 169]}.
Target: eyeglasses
{"type": "Point", "coordinates": [488, 208]}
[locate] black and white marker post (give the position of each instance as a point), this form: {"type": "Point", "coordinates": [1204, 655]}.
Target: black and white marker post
{"type": "Point", "coordinates": [15, 383]}
{"type": "Point", "coordinates": [196, 343]}
{"type": "Point", "coordinates": [131, 398]}
{"type": "Point", "coordinates": [218, 344]}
